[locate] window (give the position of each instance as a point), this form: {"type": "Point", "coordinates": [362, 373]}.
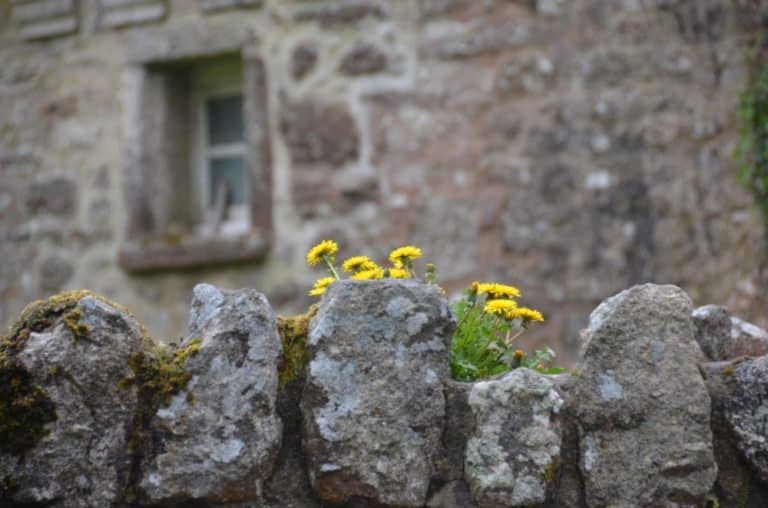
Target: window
{"type": "Point", "coordinates": [220, 147]}
{"type": "Point", "coordinates": [197, 163]}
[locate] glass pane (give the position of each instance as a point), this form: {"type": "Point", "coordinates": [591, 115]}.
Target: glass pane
{"type": "Point", "coordinates": [228, 171]}
{"type": "Point", "coordinates": [225, 120]}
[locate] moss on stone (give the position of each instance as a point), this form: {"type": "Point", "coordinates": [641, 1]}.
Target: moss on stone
{"type": "Point", "coordinates": [293, 335]}
{"type": "Point", "coordinates": [25, 408]}
{"type": "Point", "coordinates": [159, 373]}
{"type": "Point", "coordinates": [550, 473]}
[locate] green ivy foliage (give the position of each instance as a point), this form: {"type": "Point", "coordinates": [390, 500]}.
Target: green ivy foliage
{"type": "Point", "coordinates": [752, 149]}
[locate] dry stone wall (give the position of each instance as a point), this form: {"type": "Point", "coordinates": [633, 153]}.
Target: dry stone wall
{"type": "Point", "coordinates": [573, 148]}
{"type": "Point", "coordinates": [373, 420]}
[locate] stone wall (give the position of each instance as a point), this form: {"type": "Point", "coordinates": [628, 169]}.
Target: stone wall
{"type": "Point", "coordinates": [660, 410]}
{"type": "Point", "coordinates": [571, 148]}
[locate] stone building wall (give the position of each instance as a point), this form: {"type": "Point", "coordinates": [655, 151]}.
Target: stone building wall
{"type": "Point", "coordinates": [569, 147]}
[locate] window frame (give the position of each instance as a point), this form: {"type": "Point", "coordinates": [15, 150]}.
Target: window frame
{"type": "Point", "coordinates": [160, 191]}
{"type": "Point", "coordinates": [237, 218]}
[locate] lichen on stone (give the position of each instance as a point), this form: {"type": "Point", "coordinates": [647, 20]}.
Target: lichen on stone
{"type": "Point", "coordinates": [25, 408]}
{"type": "Point", "coordinates": [159, 373]}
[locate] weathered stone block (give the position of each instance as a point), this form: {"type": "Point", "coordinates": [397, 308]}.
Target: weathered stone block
{"type": "Point", "coordinates": [724, 337]}
{"type": "Point", "coordinates": [514, 452]}
{"type": "Point", "coordinates": [33, 11]}
{"type": "Point", "coordinates": [56, 196]}
{"type": "Point", "coordinates": [373, 406]}
{"type": "Point", "coordinates": [55, 271]}
{"type": "Point", "coordinates": [220, 435]}
{"type": "Point", "coordinates": [40, 19]}
{"type": "Point", "coordinates": [77, 351]}
{"type": "Point", "coordinates": [746, 411]}
{"type": "Point", "coordinates": [121, 13]}
{"type": "Point", "coordinates": [320, 133]}
{"type": "Point", "coordinates": [303, 61]}
{"type": "Point", "coordinates": [336, 13]}
{"type": "Point", "coordinates": [217, 5]}
{"type": "Point", "coordinates": [643, 410]}
{"type": "Point", "coordinates": [363, 59]}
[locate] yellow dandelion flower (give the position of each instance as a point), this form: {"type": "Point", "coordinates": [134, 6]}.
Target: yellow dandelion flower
{"type": "Point", "coordinates": [496, 290]}
{"type": "Point", "coordinates": [398, 273]}
{"type": "Point", "coordinates": [399, 255]}
{"type": "Point", "coordinates": [376, 273]}
{"type": "Point", "coordinates": [519, 354]}
{"type": "Point", "coordinates": [358, 264]}
{"type": "Point", "coordinates": [526, 314]}
{"type": "Point", "coordinates": [320, 286]}
{"type": "Point", "coordinates": [500, 307]}
{"type": "Point", "coordinates": [326, 248]}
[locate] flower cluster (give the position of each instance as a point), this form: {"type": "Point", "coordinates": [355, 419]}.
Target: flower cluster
{"type": "Point", "coordinates": [500, 300]}
{"type": "Point", "coordinates": [488, 317]}
{"type": "Point", "coordinates": [489, 320]}
{"type": "Point", "coordinates": [363, 267]}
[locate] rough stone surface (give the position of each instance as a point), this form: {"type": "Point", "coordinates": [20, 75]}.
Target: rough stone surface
{"type": "Point", "coordinates": [82, 461]}
{"type": "Point", "coordinates": [363, 59]}
{"type": "Point", "coordinates": [221, 434]}
{"type": "Point", "coordinates": [340, 12]}
{"type": "Point", "coordinates": [723, 337]}
{"type": "Point", "coordinates": [54, 273]}
{"type": "Point", "coordinates": [303, 61]}
{"type": "Point", "coordinates": [746, 339]}
{"type": "Point", "coordinates": [713, 331]}
{"type": "Point", "coordinates": [373, 406]}
{"type": "Point", "coordinates": [736, 484]}
{"type": "Point", "coordinates": [746, 411]}
{"type": "Point", "coordinates": [643, 410]}
{"type": "Point", "coordinates": [626, 117]}
{"type": "Point", "coordinates": [319, 133]}
{"type": "Point", "coordinates": [56, 197]}
{"type": "Point", "coordinates": [514, 453]}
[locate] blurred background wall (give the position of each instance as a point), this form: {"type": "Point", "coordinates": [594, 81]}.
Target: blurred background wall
{"type": "Point", "coordinates": [569, 147]}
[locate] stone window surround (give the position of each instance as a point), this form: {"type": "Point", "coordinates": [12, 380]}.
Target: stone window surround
{"type": "Point", "coordinates": [151, 242]}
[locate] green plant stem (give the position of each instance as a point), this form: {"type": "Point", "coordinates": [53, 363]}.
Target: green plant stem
{"type": "Point", "coordinates": [331, 268]}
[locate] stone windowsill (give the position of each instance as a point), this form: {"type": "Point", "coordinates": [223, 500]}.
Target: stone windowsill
{"type": "Point", "coordinates": [179, 252]}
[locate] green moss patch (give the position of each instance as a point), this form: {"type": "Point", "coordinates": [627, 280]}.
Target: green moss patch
{"type": "Point", "coordinates": [159, 373]}
{"type": "Point", "coordinates": [25, 408]}
{"type": "Point", "coordinates": [293, 332]}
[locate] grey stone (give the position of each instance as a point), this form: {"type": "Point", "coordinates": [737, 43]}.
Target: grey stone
{"type": "Point", "coordinates": [342, 12]}
{"type": "Point", "coordinates": [713, 330]}
{"type": "Point", "coordinates": [35, 10]}
{"type": "Point", "coordinates": [56, 197]}
{"type": "Point", "coordinates": [303, 61]}
{"type": "Point", "coordinates": [133, 13]}
{"type": "Point", "coordinates": [221, 433]}
{"type": "Point", "coordinates": [736, 482]}
{"type": "Point", "coordinates": [373, 406]}
{"type": "Point", "coordinates": [55, 271]}
{"type": "Point", "coordinates": [642, 408]}
{"type": "Point", "coordinates": [320, 133]}
{"type": "Point", "coordinates": [724, 337]}
{"type": "Point", "coordinates": [452, 495]}
{"type": "Point", "coordinates": [746, 411]}
{"type": "Point", "coordinates": [82, 461]}
{"type": "Point", "coordinates": [747, 339]}
{"type": "Point", "coordinates": [363, 59]}
{"type": "Point", "coordinates": [217, 5]}
{"type": "Point", "coordinates": [513, 454]}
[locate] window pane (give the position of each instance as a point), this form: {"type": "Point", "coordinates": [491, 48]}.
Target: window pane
{"type": "Point", "coordinates": [229, 171]}
{"type": "Point", "coordinates": [225, 120]}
